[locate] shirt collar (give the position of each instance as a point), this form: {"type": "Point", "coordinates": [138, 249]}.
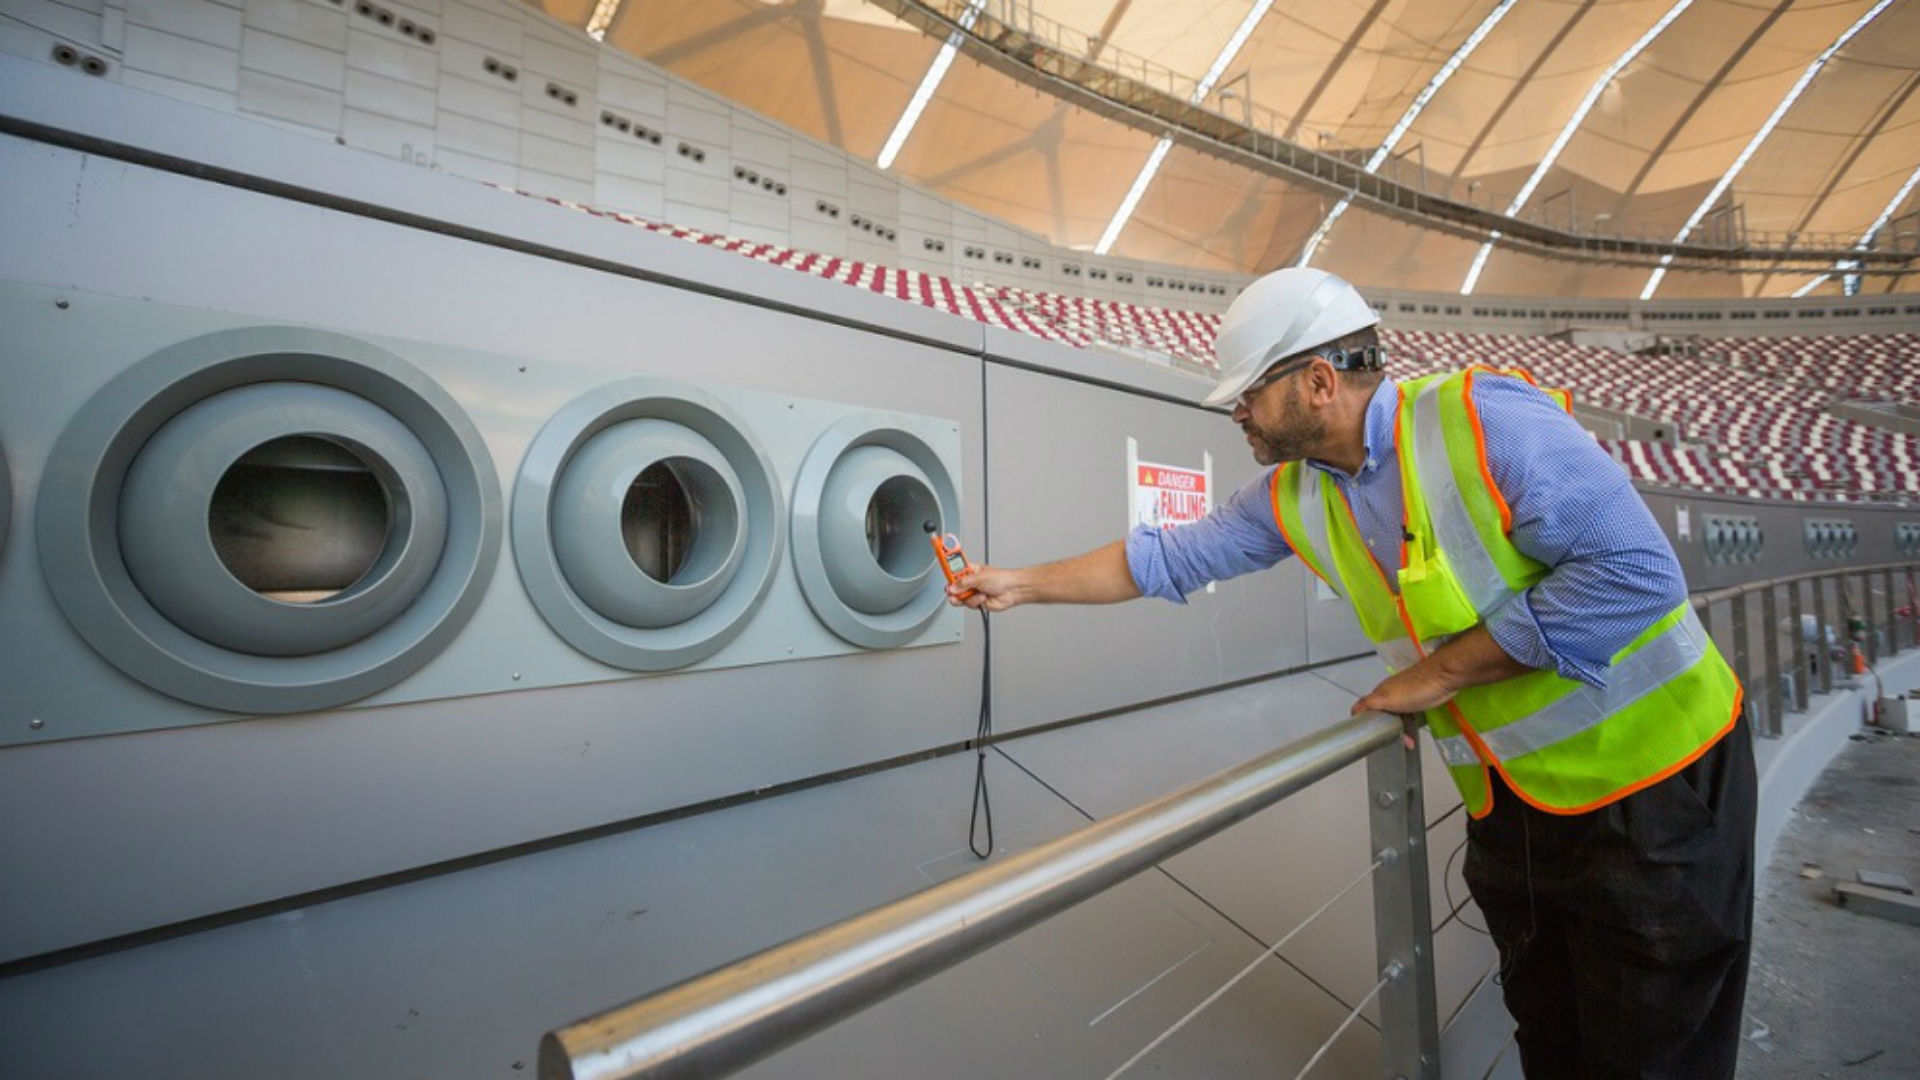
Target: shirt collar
{"type": "Point", "coordinates": [1382, 411]}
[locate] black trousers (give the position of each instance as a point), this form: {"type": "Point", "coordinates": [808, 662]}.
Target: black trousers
{"type": "Point", "coordinates": [1624, 932]}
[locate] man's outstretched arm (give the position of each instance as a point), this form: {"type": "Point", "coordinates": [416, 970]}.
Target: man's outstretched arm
{"type": "Point", "coordinates": [1098, 577]}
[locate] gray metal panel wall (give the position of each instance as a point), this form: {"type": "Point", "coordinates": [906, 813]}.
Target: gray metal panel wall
{"type": "Point", "coordinates": [1785, 550]}
{"type": "Point", "coordinates": [458, 976]}
{"type": "Point", "coordinates": [131, 831]}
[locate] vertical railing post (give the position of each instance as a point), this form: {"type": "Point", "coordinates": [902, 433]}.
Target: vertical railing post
{"type": "Point", "coordinates": [1864, 612]}
{"type": "Point", "coordinates": [1803, 670]}
{"type": "Point", "coordinates": [1770, 620]}
{"type": "Point", "coordinates": [1893, 620]}
{"type": "Point", "coordinates": [1823, 651]}
{"type": "Point", "coordinates": [1403, 913]}
{"type": "Point", "coordinates": [1742, 655]}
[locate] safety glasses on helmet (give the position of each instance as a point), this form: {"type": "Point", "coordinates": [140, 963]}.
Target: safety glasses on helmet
{"type": "Point", "coordinates": [1367, 358]}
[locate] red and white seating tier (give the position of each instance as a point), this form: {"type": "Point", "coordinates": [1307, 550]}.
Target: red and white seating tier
{"type": "Point", "coordinates": [1753, 413]}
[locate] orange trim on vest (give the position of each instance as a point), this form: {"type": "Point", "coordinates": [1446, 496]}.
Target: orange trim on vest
{"type": "Point", "coordinates": [1480, 448]}
{"type": "Point", "coordinates": [1739, 695]}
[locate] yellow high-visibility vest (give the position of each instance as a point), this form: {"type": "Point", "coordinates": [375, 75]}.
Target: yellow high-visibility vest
{"type": "Point", "coordinates": [1561, 745]}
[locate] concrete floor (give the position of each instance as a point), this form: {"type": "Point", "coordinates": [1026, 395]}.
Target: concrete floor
{"type": "Point", "coordinates": [1833, 993]}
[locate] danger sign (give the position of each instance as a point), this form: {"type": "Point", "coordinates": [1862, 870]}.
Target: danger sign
{"type": "Point", "coordinates": [1166, 496]}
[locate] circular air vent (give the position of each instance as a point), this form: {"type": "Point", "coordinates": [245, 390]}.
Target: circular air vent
{"type": "Point", "coordinates": [869, 494]}
{"type": "Point", "coordinates": [647, 524]}
{"type": "Point", "coordinates": [269, 520]}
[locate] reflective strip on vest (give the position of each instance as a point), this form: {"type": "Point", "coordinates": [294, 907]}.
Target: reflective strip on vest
{"type": "Point", "coordinates": [1313, 519]}
{"type": "Point", "coordinates": [1456, 751]}
{"type": "Point", "coordinates": [1453, 525]}
{"type": "Point", "coordinates": [1642, 672]}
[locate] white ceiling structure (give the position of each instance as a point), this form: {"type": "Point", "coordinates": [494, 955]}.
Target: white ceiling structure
{"type": "Point", "coordinates": [1670, 118]}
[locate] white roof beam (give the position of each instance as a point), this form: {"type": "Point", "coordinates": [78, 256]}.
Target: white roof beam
{"type": "Point", "coordinates": [930, 82]}
{"type": "Point", "coordinates": [1400, 129]}
{"type": "Point", "coordinates": [1759, 137]}
{"type": "Point", "coordinates": [1567, 132]}
{"type": "Point", "coordinates": [1159, 154]}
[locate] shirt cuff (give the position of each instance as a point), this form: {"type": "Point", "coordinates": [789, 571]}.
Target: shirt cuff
{"type": "Point", "coordinates": [1519, 635]}
{"type": "Point", "coordinates": [1147, 562]}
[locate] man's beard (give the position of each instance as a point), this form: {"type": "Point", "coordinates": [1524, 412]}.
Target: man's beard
{"type": "Point", "coordinates": [1291, 439]}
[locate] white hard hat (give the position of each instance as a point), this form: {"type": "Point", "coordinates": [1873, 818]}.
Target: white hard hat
{"type": "Point", "coordinates": [1283, 314]}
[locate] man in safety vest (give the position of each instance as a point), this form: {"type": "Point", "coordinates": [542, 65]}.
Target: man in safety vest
{"type": "Point", "coordinates": [1523, 599]}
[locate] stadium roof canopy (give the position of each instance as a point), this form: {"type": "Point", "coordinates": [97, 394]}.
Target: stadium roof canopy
{"type": "Point", "coordinates": [1650, 113]}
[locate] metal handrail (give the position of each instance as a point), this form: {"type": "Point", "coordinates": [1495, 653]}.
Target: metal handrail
{"type": "Point", "coordinates": [1704, 599]}
{"type": "Point", "coordinates": [1809, 667]}
{"type": "Point", "coordinates": [730, 1017]}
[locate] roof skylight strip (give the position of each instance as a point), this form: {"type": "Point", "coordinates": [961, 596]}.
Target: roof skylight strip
{"type": "Point", "coordinates": [1407, 118]}
{"type": "Point", "coordinates": [928, 84]}
{"type": "Point", "coordinates": [1866, 238]}
{"type": "Point", "coordinates": [1566, 133]}
{"type": "Point", "coordinates": [602, 17]}
{"type": "Point", "coordinates": [1799, 87]}
{"type": "Point", "coordinates": [1159, 154]}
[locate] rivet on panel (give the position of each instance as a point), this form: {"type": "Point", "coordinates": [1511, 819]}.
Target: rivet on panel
{"type": "Point", "coordinates": [36, 723]}
{"type": "Point", "coordinates": [62, 303]}
{"type": "Point", "coordinates": [516, 676]}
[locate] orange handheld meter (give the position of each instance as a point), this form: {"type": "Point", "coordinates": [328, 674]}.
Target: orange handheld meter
{"type": "Point", "coordinates": [953, 561]}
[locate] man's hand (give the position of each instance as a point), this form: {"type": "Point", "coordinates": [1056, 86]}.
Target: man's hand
{"type": "Point", "coordinates": [1471, 659]}
{"type": "Point", "coordinates": [992, 588]}
{"type": "Point", "coordinates": [1098, 577]}
{"type": "Point", "coordinates": [1419, 688]}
